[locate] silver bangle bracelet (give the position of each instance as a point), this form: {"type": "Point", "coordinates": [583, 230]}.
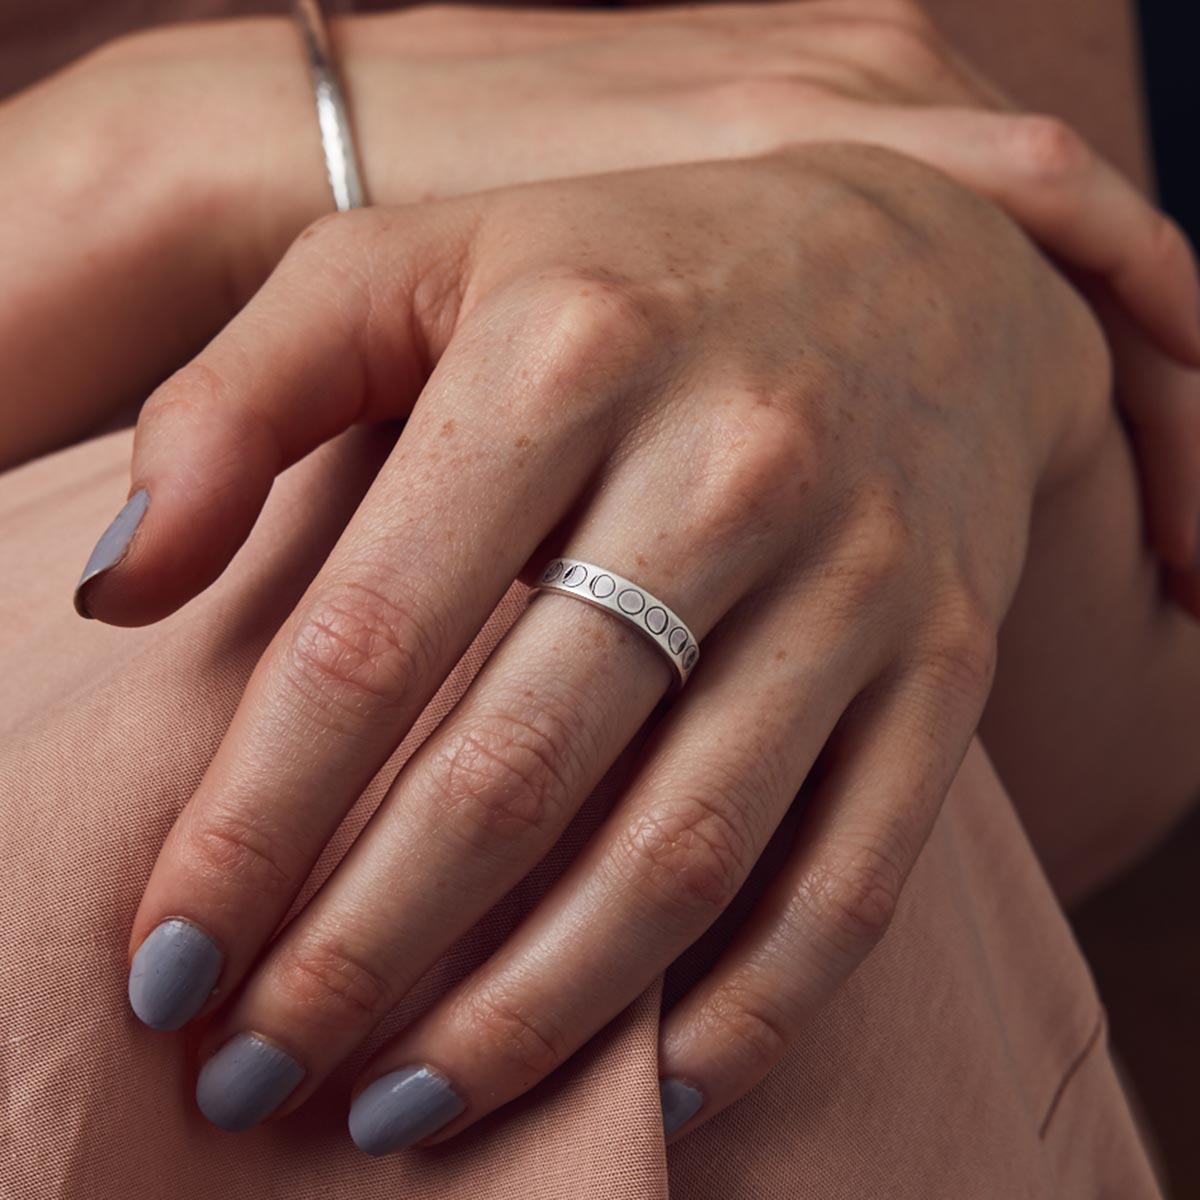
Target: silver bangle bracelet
{"type": "Point", "coordinates": [333, 117]}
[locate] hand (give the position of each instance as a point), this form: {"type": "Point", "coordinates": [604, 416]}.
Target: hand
{"type": "Point", "coordinates": [455, 100]}
{"type": "Point", "coordinates": [806, 400]}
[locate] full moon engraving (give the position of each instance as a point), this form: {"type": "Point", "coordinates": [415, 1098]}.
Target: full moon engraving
{"type": "Point", "coordinates": [656, 619]}
{"type": "Point", "coordinates": [631, 601]}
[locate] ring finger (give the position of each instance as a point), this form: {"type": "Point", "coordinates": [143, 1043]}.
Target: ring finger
{"type": "Point", "coordinates": [476, 808]}
{"type": "Point", "coordinates": [716, 780]}
{"type": "Point", "coordinates": [455, 512]}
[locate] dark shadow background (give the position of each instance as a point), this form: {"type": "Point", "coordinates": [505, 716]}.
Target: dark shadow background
{"type": "Point", "coordinates": [1170, 40]}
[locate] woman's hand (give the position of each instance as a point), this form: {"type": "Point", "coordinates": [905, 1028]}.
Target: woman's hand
{"type": "Point", "coordinates": [165, 206]}
{"type": "Point", "coordinates": [805, 399]}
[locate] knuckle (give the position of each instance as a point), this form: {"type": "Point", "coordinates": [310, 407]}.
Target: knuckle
{"type": "Point", "coordinates": [849, 900]}
{"type": "Point", "coordinates": [355, 650]}
{"type": "Point", "coordinates": [885, 532]}
{"type": "Point", "coordinates": [532, 1045]}
{"type": "Point", "coordinates": [750, 1025]}
{"type": "Point", "coordinates": [962, 651]}
{"type": "Point", "coordinates": [229, 844]}
{"type": "Point", "coordinates": [878, 551]}
{"type": "Point", "coordinates": [334, 236]}
{"type": "Point", "coordinates": [755, 469]}
{"type": "Point", "coordinates": [504, 778]}
{"type": "Point", "coordinates": [581, 326]}
{"type": "Point", "coordinates": [196, 388]}
{"type": "Point", "coordinates": [338, 256]}
{"type": "Point", "coordinates": [691, 857]}
{"type": "Point", "coordinates": [329, 980]}
{"type": "Point", "coordinates": [1046, 150]}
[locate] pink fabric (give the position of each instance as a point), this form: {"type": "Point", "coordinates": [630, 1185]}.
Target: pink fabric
{"type": "Point", "coordinates": [966, 1059]}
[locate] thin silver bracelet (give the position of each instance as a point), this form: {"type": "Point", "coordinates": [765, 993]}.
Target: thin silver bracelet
{"type": "Point", "coordinates": [333, 117]}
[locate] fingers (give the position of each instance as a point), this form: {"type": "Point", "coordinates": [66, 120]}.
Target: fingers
{"type": "Point", "coordinates": [835, 897]}
{"type": "Point", "coordinates": [452, 516]}
{"type": "Point", "coordinates": [716, 780]}
{"type": "Point", "coordinates": [1161, 403]}
{"type": "Point", "coordinates": [1065, 196]}
{"type": "Point", "coordinates": [479, 805]}
{"type": "Point", "coordinates": [304, 361]}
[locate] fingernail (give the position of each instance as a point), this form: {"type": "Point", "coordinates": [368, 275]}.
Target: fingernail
{"type": "Point", "coordinates": [680, 1103]}
{"type": "Point", "coordinates": [173, 973]}
{"type": "Point", "coordinates": [111, 547]}
{"type": "Point", "coordinates": [401, 1108]}
{"type": "Point", "coordinates": [245, 1082]}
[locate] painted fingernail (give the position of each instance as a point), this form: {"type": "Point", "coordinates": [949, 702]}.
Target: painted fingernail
{"type": "Point", "coordinates": [245, 1082]}
{"type": "Point", "coordinates": [680, 1103]}
{"type": "Point", "coordinates": [173, 973]}
{"type": "Point", "coordinates": [111, 547]}
{"type": "Point", "coordinates": [401, 1108]}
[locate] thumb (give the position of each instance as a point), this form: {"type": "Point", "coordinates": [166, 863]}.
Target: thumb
{"type": "Point", "coordinates": [344, 331]}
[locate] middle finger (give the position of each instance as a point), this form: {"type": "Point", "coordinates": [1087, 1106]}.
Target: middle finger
{"type": "Point", "coordinates": [459, 507]}
{"type": "Point", "coordinates": [478, 806]}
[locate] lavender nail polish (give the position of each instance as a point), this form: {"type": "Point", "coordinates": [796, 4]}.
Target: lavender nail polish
{"type": "Point", "coordinates": [113, 544]}
{"type": "Point", "coordinates": [172, 974]}
{"type": "Point", "coordinates": [401, 1108]}
{"type": "Point", "coordinates": [680, 1103]}
{"type": "Point", "coordinates": [245, 1082]}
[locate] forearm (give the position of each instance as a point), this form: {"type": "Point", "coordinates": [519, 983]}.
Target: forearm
{"type": "Point", "coordinates": [1091, 723]}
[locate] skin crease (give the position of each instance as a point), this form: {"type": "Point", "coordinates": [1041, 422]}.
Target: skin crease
{"type": "Point", "coordinates": [1096, 494]}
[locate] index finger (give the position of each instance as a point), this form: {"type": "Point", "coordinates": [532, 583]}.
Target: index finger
{"type": "Point", "coordinates": [458, 509]}
{"type": "Point", "coordinates": [304, 361]}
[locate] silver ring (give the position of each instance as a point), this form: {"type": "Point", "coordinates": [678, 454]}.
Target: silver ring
{"type": "Point", "coordinates": [333, 117]}
{"type": "Point", "coordinates": [627, 600]}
